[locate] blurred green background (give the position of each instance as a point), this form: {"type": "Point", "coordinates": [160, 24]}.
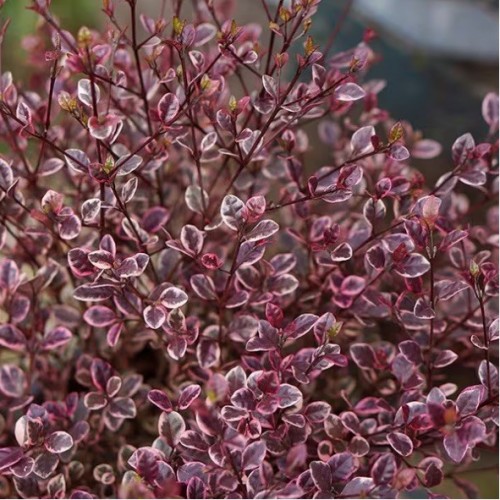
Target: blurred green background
{"type": "Point", "coordinates": [72, 13]}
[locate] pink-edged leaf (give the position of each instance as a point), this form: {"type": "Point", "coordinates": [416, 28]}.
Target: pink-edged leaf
{"type": "Point", "coordinates": [196, 488]}
{"type": "Point", "coordinates": [263, 230]}
{"type": "Point", "coordinates": [288, 395]}
{"type": "Point", "coordinates": [56, 338]}
{"type": "Point", "coordinates": [45, 465]}
{"type": "Point", "coordinates": [127, 164]}
{"type": "Point", "coordinates": [384, 469]}
{"type": "Point", "coordinates": [204, 33]}
{"type": "Point", "coordinates": [232, 212]}
{"type": "Point", "coordinates": [352, 285]}
{"type": "Point", "coordinates": [493, 330]}
{"type": "Point", "coordinates": [160, 399]}
{"type": "Point", "coordinates": [192, 239]}
{"type": "Point", "coordinates": [400, 443]}
{"type": "Point", "coordinates": [363, 355]}
{"type": "Point", "coordinates": [100, 371]}
{"type": "Point", "coordinates": [462, 147]}
{"type": "Point", "coordinates": [173, 297]}
{"type": "Point", "coordinates": [358, 487]}
{"type": "Point", "coordinates": [361, 140]}
{"type": "Point", "coordinates": [90, 209]}
{"type": "Point", "coordinates": [188, 395]}
{"type": "Point", "coordinates": [425, 149]}
{"type": "Point", "coordinates": [59, 442]}
{"type": "Point", "coordinates": [95, 400]}
{"type": "Point", "coordinates": [12, 381]}
{"type": "Point", "coordinates": [79, 263]}
{"type": "Point", "coordinates": [349, 92]}
{"type": "Point", "coordinates": [270, 86]}
{"type": "Point", "coordinates": [300, 326]}
{"type": "Point", "coordinates": [468, 400]}
{"type": "Point", "coordinates": [398, 152]}
{"type": "Point", "coordinates": [423, 309]}
{"type": "Point", "coordinates": [249, 253]}
{"type": "Point", "coordinates": [85, 92]}
{"type": "Point", "coordinates": [321, 474]}
{"type": "Point", "coordinates": [415, 265]}
{"type": "Point", "coordinates": [10, 456]}
{"type": "Point", "coordinates": [447, 289]}
{"type": "Point", "coordinates": [99, 316]}
{"type": "Point", "coordinates": [253, 455]}
{"type": "Point", "coordinates": [154, 316]}
{"type": "Point", "coordinates": [317, 411]}
{"type": "Point", "coordinates": [343, 465]}
{"type": "Point", "coordinates": [168, 107]}
{"type": "Point", "coordinates": [171, 426]}
{"type": "Point", "coordinates": [122, 408]}
{"type": "Point", "coordinates": [203, 286]}
{"type": "Point", "coordinates": [154, 219]}
{"type": "Point", "coordinates": [93, 292]}
{"type": "Point", "coordinates": [12, 338]}
{"type": "Point", "coordinates": [194, 197]}
{"type": "Point", "coordinates": [113, 334]}
{"type": "Point", "coordinates": [445, 358]}
{"type": "Point", "coordinates": [489, 109]}
{"type": "Point", "coordinates": [342, 253]}
{"type": "Point", "coordinates": [70, 227]}
{"type": "Point", "coordinates": [452, 238]}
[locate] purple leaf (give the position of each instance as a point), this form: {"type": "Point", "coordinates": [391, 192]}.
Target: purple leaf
{"type": "Point", "coordinates": [168, 107]}
{"type": "Point", "coordinates": [203, 286]}
{"type": "Point", "coordinates": [343, 465]}
{"type": "Point", "coordinates": [361, 140]}
{"type": "Point", "coordinates": [12, 338]}
{"type": "Point", "coordinates": [95, 400]}
{"type": "Point", "coordinates": [56, 338]}
{"type": "Point", "coordinates": [398, 152]}
{"type": "Point", "coordinates": [263, 230]}
{"type": "Point", "coordinates": [160, 399]}
{"type": "Point", "coordinates": [489, 109]}
{"type": "Point", "coordinates": [288, 395]}
{"type": "Point", "coordinates": [415, 265]}
{"type": "Point", "coordinates": [45, 465]}
{"type": "Point", "coordinates": [401, 443]}
{"type": "Point", "coordinates": [192, 239]}
{"type": "Point", "coordinates": [188, 395]}
{"type": "Point", "coordinates": [321, 474]}
{"type": "Point", "coordinates": [461, 148]}
{"type": "Point", "coordinates": [363, 355]}
{"type": "Point", "coordinates": [154, 316]}
{"type": "Point", "coordinates": [122, 408]}
{"type": "Point", "coordinates": [468, 401]}
{"type": "Point", "coordinates": [349, 92]}
{"type": "Point", "coordinates": [9, 457]}
{"type": "Point", "coordinates": [171, 426]}
{"type": "Point", "coordinates": [99, 316]}
{"type": "Point", "coordinates": [12, 381]}
{"type": "Point", "coordinates": [173, 297]}
{"type": "Point", "coordinates": [426, 149]}
{"type": "Point", "coordinates": [231, 211]}
{"type": "Point", "coordinates": [445, 358]}
{"type": "Point", "coordinates": [447, 289]}
{"type": "Point", "coordinates": [59, 442]}
{"type": "Point", "coordinates": [253, 455]}
{"type": "Point", "coordinates": [384, 469]}
{"type": "Point", "coordinates": [93, 292]}
{"type": "Point", "coordinates": [195, 488]}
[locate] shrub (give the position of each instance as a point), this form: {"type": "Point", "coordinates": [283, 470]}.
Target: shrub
{"type": "Point", "coordinates": [191, 308]}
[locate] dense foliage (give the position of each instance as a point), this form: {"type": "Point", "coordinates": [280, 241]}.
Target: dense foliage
{"type": "Point", "coordinates": [192, 307]}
